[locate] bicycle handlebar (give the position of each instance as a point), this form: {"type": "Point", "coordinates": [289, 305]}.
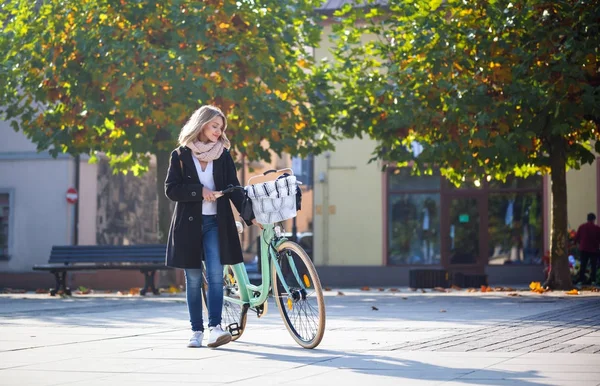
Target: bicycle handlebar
{"type": "Point", "coordinates": [229, 189]}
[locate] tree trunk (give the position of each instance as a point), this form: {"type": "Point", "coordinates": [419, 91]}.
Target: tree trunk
{"type": "Point", "coordinates": [559, 276]}
{"type": "Point", "coordinates": [166, 278]}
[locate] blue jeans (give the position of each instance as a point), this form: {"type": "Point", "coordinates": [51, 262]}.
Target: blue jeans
{"type": "Point", "coordinates": [214, 272]}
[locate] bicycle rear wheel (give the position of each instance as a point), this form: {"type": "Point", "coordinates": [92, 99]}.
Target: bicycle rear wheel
{"type": "Point", "coordinates": [302, 308]}
{"type": "Point", "coordinates": [234, 315]}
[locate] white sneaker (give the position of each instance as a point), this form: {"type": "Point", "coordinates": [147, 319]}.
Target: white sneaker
{"type": "Point", "coordinates": [196, 339]}
{"type": "Point", "coordinates": [217, 337]}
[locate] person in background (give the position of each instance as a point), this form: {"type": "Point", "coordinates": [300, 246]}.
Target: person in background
{"type": "Point", "coordinates": [588, 237]}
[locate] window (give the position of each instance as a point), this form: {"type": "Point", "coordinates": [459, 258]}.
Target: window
{"type": "Point", "coordinates": [402, 179]}
{"type": "Point", "coordinates": [515, 227]}
{"type": "Point", "coordinates": [512, 182]}
{"type": "Point", "coordinates": [498, 222]}
{"type": "Point", "coordinates": [414, 228]}
{"type": "Point", "coordinates": [4, 225]}
{"type": "Point", "coordinates": [413, 218]}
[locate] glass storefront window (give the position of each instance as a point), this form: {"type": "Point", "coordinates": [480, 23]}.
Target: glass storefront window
{"type": "Point", "coordinates": [414, 228]}
{"type": "Point", "coordinates": [402, 179]}
{"type": "Point", "coordinates": [463, 215]}
{"type": "Point", "coordinates": [515, 228]}
{"type": "Point", "coordinates": [512, 182]}
{"type": "Point", "coordinates": [467, 184]}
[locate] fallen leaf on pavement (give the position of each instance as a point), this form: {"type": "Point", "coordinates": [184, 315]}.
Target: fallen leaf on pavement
{"type": "Point", "coordinates": [381, 289]}
{"type": "Point", "coordinates": [327, 289]}
{"type": "Point", "coordinates": [374, 308]}
{"type": "Point", "coordinates": [83, 290]}
{"type": "Point", "coordinates": [134, 291]}
{"type": "Point", "coordinates": [423, 291]}
{"type": "Point", "coordinates": [340, 293]}
{"type": "Point", "coordinates": [455, 287]}
{"type": "Point", "coordinates": [439, 289]}
{"type": "Point", "coordinates": [404, 298]}
{"type": "Point", "coordinates": [536, 286]}
{"type": "Point", "coordinates": [572, 292]}
{"type": "Point", "coordinates": [591, 289]}
{"type": "Point", "coordinates": [393, 289]}
{"type": "Point", "coordinates": [514, 294]}
{"type": "Point", "coordinates": [365, 289]}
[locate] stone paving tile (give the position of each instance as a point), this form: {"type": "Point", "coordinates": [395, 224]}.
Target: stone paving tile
{"type": "Point", "coordinates": [593, 349]}
{"type": "Point", "coordinates": [546, 332]}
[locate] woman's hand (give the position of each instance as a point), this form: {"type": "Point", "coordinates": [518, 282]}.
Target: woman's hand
{"type": "Point", "coordinates": [208, 195]}
{"type": "Point", "coordinates": [257, 223]}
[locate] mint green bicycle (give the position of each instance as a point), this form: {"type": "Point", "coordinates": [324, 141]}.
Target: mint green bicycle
{"type": "Point", "coordinates": [288, 273]}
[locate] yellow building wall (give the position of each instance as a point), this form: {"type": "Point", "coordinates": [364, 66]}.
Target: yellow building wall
{"type": "Point", "coordinates": [348, 206]}
{"type": "Point", "coordinates": [348, 200]}
{"type": "Point", "coordinates": [581, 194]}
{"type": "Point", "coordinates": [582, 198]}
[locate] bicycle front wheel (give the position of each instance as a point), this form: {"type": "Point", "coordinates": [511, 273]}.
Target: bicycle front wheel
{"type": "Point", "coordinates": [234, 315]}
{"type": "Point", "coordinates": [301, 305]}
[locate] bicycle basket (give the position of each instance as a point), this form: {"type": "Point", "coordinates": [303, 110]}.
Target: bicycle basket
{"type": "Point", "coordinates": [274, 201]}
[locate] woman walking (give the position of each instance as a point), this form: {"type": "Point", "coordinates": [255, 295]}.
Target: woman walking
{"type": "Point", "coordinates": [202, 227]}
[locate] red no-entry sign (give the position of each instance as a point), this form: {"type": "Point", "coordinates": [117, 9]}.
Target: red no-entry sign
{"type": "Point", "coordinates": [72, 195]}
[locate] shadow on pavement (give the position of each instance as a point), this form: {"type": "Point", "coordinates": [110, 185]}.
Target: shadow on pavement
{"type": "Point", "coordinates": [370, 364]}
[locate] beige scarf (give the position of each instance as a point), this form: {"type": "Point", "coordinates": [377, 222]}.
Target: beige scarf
{"type": "Point", "coordinates": [210, 151]}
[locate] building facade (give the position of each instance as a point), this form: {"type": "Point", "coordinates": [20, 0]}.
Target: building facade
{"type": "Point", "coordinates": [373, 227]}
{"type": "Point", "coordinates": [34, 210]}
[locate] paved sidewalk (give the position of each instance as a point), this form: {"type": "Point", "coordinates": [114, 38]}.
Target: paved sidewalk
{"type": "Point", "coordinates": [372, 337]}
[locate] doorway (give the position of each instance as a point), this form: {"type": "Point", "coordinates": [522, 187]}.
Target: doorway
{"type": "Point", "coordinates": [463, 229]}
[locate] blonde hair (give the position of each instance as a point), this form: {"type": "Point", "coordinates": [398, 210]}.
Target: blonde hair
{"type": "Point", "coordinates": [193, 127]}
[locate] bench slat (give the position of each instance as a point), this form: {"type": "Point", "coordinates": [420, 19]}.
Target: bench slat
{"type": "Point", "coordinates": [94, 267]}
{"type": "Point", "coordinates": [84, 247]}
{"type": "Point", "coordinates": [96, 254]}
{"type": "Point", "coordinates": [103, 254]}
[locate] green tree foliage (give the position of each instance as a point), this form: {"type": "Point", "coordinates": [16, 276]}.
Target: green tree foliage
{"type": "Point", "coordinates": [121, 77]}
{"type": "Point", "coordinates": [487, 88]}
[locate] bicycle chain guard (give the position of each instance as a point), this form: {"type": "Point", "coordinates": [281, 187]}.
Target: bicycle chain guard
{"type": "Point", "coordinates": [262, 309]}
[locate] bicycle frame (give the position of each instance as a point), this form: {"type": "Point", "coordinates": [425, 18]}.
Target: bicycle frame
{"type": "Point", "coordinates": [248, 290]}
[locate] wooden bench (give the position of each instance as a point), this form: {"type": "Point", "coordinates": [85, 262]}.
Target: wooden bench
{"type": "Point", "coordinates": [146, 258]}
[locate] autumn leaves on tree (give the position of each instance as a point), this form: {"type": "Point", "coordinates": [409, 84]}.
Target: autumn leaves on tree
{"type": "Point", "coordinates": [121, 77]}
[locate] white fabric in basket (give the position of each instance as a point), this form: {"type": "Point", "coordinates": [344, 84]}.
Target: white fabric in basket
{"type": "Point", "coordinates": [274, 201]}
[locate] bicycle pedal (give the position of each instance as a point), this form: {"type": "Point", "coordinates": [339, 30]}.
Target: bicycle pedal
{"type": "Point", "coordinates": [234, 329]}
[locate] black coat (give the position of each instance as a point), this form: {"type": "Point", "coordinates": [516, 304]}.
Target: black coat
{"type": "Point", "coordinates": [184, 245]}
